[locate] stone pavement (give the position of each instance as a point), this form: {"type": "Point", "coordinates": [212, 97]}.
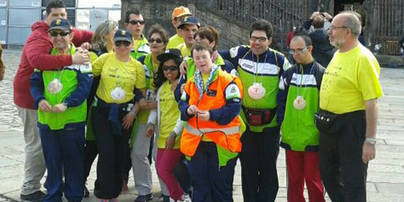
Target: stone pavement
{"type": "Point", "coordinates": [385, 173]}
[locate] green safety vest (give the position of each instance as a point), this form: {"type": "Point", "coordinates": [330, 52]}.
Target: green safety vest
{"type": "Point", "coordinates": [68, 78]}
{"type": "Point", "coordinates": [298, 127]}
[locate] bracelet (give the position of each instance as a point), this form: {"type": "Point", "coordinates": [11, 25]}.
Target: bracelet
{"type": "Point", "coordinates": [370, 140]}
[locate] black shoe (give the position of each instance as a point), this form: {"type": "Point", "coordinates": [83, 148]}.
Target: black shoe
{"type": "Point", "coordinates": [86, 192]}
{"type": "Point", "coordinates": [144, 198]}
{"type": "Point", "coordinates": [36, 196]}
{"type": "Point", "coordinates": [164, 198]}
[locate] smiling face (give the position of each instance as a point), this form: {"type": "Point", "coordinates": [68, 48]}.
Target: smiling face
{"type": "Point", "coordinates": [61, 39]}
{"type": "Point", "coordinates": [203, 60]}
{"type": "Point", "coordinates": [156, 43]}
{"type": "Point", "coordinates": [170, 70]}
{"type": "Point", "coordinates": [259, 42]}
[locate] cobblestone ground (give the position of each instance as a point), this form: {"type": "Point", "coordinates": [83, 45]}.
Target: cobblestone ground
{"type": "Point", "coordinates": [386, 172]}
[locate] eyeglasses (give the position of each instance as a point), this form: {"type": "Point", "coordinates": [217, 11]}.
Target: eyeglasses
{"type": "Point", "coordinates": [56, 33]}
{"type": "Point", "coordinates": [170, 68]}
{"type": "Point", "coordinates": [298, 51]}
{"type": "Point", "coordinates": [119, 43]}
{"type": "Point", "coordinates": [259, 39]}
{"type": "Point", "coordinates": [134, 22]}
{"type": "Point", "coordinates": [335, 27]}
{"type": "Point", "coordinates": [151, 40]}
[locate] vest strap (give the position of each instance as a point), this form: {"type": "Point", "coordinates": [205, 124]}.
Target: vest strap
{"type": "Point", "coordinates": [201, 131]}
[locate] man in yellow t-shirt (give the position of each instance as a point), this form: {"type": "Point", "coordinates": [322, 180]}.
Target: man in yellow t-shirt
{"type": "Point", "coordinates": [179, 13]}
{"type": "Point", "coordinates": [189, 26]}
{"type": "Point", "coordinates": [348, 112]}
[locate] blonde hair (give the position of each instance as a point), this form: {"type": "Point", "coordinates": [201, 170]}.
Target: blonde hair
{"type": "Point", "coordinates": [99, 38]}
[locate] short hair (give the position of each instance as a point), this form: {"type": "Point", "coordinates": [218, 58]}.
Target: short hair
{"type": "Point", "coordinates": [352, 21]}
{"type": "Point", "coordinates": [201, 47]}
{"type": "Point", "coordinates": [98, 40]}
{"type": "Point", "coordinates": [158, 29]}
{"type": "Point", "coordinates": [209, 33]}
{"type": "Point", "coordinates": [131, 11]}
{"type": "Point", "coordinates": [262, 25]}
{"type": "Point", "coordinates": [54, 4]}
{"type": "Point", "coordinates": [305, 37]}
{"type": "Point", "coordinates": [318, 22]}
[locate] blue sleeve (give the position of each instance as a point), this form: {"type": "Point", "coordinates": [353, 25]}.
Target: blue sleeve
{"type": "Point", "coordinates": [37, 88]}
{"type": "Point", "coordinates": [177, 91]}
{"type": "Point", "coordinates": [141, 59]}
{"type": "Point", "coordinates": [82, 90]}
{"type": "Point", "coordinates": [183, 106]}
{"type": "Point", "coordinates": [227, 113]}
{"type": "Point", "coordinates": [226, 55]}
{"type": "Point", "coordinates": [281, 98]}
{"type": "Point", "coordinates": [228, 66]}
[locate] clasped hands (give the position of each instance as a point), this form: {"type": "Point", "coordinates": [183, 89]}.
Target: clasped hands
{"type": "Point", "coordinates": [203, 115]}
{"type": "Point", "coordinates": [46, 107]}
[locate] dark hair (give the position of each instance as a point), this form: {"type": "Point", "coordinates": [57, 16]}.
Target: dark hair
{"type": "Point", "coordinates": [54, 4]}
{"type": "Point", "coordinates": [305, 37]}
{"type": "Point", "coordinates": [209, 33]}
{"type": "Point", "coordinates": [158, 29]}
{"type": "Point", "coordinates": [200, 47]}
{"type": "Point", "coordinates": [318, 22]}
{"type": "Point", "coordinates": [159, 77]}
{"type": "Point", "coordinates": [131, 11]}
{"type": "Point", "coordinates": [262, 25]}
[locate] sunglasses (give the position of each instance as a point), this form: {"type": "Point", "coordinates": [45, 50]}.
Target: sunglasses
{"type": "Point", "coordinates": [61, 33]}
{"type": "Point", "coordinates": [170, 68]}
{"type": "Point", "coordinates": [134, 22]}
{"type": "Point", "coordinates": [119, 43]}
{"type": "Point", "coordinates": [155, 40]}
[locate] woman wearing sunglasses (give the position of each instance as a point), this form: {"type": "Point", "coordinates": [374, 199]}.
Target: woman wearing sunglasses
{"type": "Point", "coordinates": [165, 121]}
{"type": "Point", "coordinates": [113, 113]}
{"type": "Point", "coordinates": [158, 40]}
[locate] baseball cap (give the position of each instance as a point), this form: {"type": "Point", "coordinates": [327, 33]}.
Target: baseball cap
{"type": "Point", "coordinates": [180, 11]}
{"type": "Point", "coordinates": [189, 20]}
{"type": "Point", "coordinates": [123, 35]}
{"type": "Point", "coordinates": [60, 23]}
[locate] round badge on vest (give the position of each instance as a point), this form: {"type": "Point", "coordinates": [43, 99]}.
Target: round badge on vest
{"type": "Point", "coordinates": [55, 86]}
{"type": "Point", "coordinates": [299, 103]}
{"type": "Point", "coordinates": [256, 91]}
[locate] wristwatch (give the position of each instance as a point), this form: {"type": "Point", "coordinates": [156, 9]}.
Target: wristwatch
{"type": "Point", "coordinates": [370, 140]}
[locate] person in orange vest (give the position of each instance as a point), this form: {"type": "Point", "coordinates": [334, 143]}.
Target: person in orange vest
{"type": "Point", "coordinates": [210, 105]}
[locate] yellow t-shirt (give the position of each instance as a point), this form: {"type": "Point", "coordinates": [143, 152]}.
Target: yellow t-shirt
{"type": "Point", "coordinates": [174, 42]}
{"type": "Point", "coordinates": [169, 113]}
{"type": "Point", "coordinates": [350, 79]}
{"type": "Point", "coordinates": [115, 73]}
{"type": "Point", "coordinates": [185, 52]}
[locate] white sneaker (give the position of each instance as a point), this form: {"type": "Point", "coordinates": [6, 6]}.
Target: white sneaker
{"type": "Point", "coordinates": [184, 198]}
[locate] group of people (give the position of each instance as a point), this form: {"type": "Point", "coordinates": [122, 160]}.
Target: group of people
{"type": "Point", "coordinates": [131, 99]}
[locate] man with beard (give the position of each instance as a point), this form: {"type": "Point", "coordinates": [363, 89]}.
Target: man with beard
{"type": "Point", "coordinates": [348, 112]}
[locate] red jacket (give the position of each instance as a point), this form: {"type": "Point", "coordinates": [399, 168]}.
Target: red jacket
{"type": "Point", "coordinates": [35, 54]}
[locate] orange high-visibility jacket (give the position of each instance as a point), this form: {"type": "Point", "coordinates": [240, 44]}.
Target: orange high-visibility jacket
{"type": "Point", "coordinates": [226, 136]}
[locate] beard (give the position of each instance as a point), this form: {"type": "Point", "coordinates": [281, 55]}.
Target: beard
{"type": "Point", "coordinates": [337, 43]}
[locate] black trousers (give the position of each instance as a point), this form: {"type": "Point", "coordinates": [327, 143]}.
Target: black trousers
{"type": "Point", "coordinates": [258, 165]}
{"type": "Point", "coordinates": [113, 152]}
{"type": "Point", "coordinates": [342, 169]}
{"type": "Point", "coordinates": [90, 153]}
